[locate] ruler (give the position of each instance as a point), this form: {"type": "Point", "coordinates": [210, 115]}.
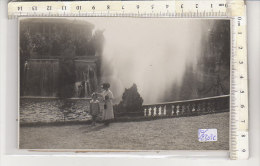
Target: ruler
{"type": "Point", "coordinates": [232, 9]}
{"type": "Point", "coordinates": [239, 90]}
{"type": "Point", "coordinates": [116, 8]}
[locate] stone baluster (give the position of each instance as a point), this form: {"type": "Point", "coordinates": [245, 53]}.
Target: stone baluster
{"type": "Point", "coordinates": [175, 110]}
{"type": "Point", "coordinates": [178, 110]}
{"type": "Point", "coordinates": [155, 111]}
{"type": "Point", "coordinates": [164, 110]}
{"type": "Point", "coordinates": [160, 110]}
{"type": "Point", "coordinates": [193, 108]}
{"type": "Point", "coordinates": [146, 111]}
{"type": "Point", "coordinates": [149, 111]}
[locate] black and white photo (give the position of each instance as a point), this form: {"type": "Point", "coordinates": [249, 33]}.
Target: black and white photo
{"type": "Point", "coordinates": [124, 83]}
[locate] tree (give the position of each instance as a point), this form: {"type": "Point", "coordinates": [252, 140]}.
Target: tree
{"type": "Point", "coordinates": [131, 101]}
{"type": "Point", "coordinates": [63, 40]}
{"type": "Point", "coordinates": [211, 76]}
{"type": "Point", "coordinates": [216, 61]}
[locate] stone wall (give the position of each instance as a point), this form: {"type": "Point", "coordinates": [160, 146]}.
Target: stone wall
{"type": "Point", "coordinates": [46, 110]}
{"type": "Point", "coordinates": [42, 77]}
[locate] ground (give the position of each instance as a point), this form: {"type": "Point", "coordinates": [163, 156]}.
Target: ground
{"type": "Point", "coordinates": [162, 134]}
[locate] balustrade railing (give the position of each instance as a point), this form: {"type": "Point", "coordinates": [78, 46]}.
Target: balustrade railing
{"type": "Point", "coordinates": [188, 107]}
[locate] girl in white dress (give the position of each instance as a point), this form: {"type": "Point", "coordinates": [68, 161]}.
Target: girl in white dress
{"type": "Point", "coordinates": [107, 96]}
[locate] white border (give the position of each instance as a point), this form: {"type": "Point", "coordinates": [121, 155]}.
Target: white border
{"type": "Point", "coordinates": [129, 152]}
{"type": "Point", "coordinates": [32, 160]}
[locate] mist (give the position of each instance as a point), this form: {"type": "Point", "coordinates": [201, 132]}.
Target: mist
{"type": "Point", "coordinates": [150, 52]}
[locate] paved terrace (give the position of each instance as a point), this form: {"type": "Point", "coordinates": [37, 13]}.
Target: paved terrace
{"type": "Point", "coordinates": [173, 133]}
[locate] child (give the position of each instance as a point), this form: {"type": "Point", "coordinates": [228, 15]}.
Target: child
{"type": "Point", "coordinates": [94, 108]}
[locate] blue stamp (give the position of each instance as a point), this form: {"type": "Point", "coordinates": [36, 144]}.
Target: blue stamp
{"type": "Point", "coordinates": [207, 135]}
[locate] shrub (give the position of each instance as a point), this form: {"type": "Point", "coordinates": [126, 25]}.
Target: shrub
{"type": "Point", "coordinates": [131, 101]}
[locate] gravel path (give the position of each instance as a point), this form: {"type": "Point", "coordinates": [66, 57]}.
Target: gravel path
{"type": "Point", "coordinates": [163, 134]}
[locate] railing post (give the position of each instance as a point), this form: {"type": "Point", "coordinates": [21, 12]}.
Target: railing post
{"type": "Point", "coordinates": [180, 109]}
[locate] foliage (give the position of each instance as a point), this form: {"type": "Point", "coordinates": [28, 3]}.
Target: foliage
{"type": "Point", "coordinates": [210, 77]}
{"type": "Point", "coordinates": [61, 39]}
{"type": "Point", "coordinates": [216, 60]}
{"type": "Point", "coordinates": [45, 39]}
{"type": "Point", "coordinates": [131, 101]}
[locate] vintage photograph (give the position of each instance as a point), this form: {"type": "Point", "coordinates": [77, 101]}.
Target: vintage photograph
{"type": "Point", "coordinates": [124, 83]}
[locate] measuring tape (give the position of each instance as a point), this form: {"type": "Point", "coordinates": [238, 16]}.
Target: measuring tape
{"type": "Point", "coordinates": [233, 9]}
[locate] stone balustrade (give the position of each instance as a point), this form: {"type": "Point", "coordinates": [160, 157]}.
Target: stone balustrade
{"type": "Point", "coordinates": [188, 107]}
{"type": "Point", "coordinates": [48, 110]}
